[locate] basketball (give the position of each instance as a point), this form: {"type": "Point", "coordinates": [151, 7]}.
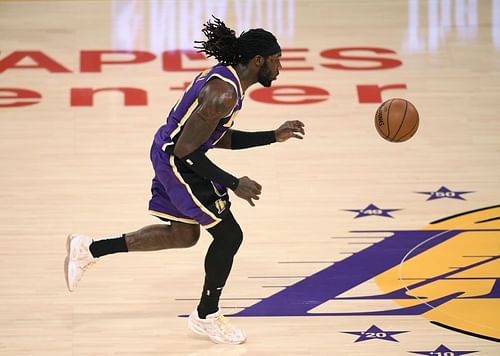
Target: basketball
{"type": "Point", "coordinates": [396, 120]}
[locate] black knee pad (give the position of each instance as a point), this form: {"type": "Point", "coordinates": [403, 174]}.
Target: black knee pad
{"type": "Point", "coordinates": [227, 234]}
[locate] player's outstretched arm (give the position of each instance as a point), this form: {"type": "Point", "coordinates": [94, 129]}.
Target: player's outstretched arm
{"type": "Point", "coordinates": [236, 140]}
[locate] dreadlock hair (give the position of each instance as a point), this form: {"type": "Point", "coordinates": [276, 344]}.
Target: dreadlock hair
{"type": "Point", "coordinates": [223, 45]}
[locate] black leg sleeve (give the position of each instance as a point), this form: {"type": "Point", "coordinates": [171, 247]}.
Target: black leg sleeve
{"type": "Point", "coordinates": [227, 237]}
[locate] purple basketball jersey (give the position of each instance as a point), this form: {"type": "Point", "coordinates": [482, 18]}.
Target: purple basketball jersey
{"type": "Point", "coordinates": [179, 194]}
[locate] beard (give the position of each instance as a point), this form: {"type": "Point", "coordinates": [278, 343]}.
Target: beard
{"type": "Point", "coordinates": [264, 76]}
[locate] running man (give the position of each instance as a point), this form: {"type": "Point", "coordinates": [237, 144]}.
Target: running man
{"type": "Point", "coordinates": [189, 190]}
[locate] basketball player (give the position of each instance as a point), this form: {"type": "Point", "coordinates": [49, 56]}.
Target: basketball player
{"type": "Point", "coordinates": [188, 189]}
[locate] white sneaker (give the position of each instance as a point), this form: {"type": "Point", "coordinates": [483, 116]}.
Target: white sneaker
{"type": "Point", "coordinates": [78, 259]}
{"type": "Point", "coordinates": [217, 328]}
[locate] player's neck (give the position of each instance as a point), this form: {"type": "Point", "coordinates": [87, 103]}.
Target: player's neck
{"type": "Point", "coordinates": [246, 75]}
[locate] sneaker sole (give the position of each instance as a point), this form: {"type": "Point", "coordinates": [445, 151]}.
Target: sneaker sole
{"type": "Point", "coordinates": [66, 260]}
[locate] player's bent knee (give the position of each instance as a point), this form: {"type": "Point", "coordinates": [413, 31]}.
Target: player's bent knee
{"type": "Point", "coordinates": [228, 233]}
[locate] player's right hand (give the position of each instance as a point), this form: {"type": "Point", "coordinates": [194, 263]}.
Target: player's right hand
{"type": "Point", "coordinates": [248, 189]}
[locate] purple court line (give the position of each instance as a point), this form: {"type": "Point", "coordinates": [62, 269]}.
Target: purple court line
{"type": "Point", "coordinates": [279, 277]}
{"type": "Point", "coordinates": [361, 243]}
{"type": "Point", "coordinates": [190, 299]}
{"type": "Point", "coordinates": [307, 261]}
{"type": "Point", "coordinates": [359, 237]}
{"type": "Point", "coordinates": [448, 278]}
{"type": "Point", "coordinates": [473, 278]}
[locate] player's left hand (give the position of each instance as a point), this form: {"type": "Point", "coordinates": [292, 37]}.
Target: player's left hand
{"type": "Point", "coordinates": [290, 129]}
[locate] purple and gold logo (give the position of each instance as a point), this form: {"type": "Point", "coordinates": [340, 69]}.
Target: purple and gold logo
{"type": "Point", "coordinates": [447, 272]}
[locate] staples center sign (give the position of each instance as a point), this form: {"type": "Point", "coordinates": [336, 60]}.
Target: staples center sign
{"type": "Point", "coordinates": [180, 61]}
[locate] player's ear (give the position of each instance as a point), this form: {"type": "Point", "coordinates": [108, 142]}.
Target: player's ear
{"type": "Point", "coordinates": [259, 60]}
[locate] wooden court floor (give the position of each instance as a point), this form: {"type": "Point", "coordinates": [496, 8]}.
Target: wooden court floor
{"type": "Point", "coordinates": [358, 246]}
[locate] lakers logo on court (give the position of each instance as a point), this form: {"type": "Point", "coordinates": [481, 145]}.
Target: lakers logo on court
{"type": "Point", "coordinates": [447, 272]}
{"type": "Point", "coordinates": [462, 272]}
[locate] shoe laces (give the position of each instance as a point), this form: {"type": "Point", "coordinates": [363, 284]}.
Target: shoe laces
{"type": "Point", "coordinates": [224, 325]}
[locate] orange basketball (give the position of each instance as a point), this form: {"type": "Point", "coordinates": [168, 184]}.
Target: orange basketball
{"type": "Point", "coordinates": [396, 120]}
